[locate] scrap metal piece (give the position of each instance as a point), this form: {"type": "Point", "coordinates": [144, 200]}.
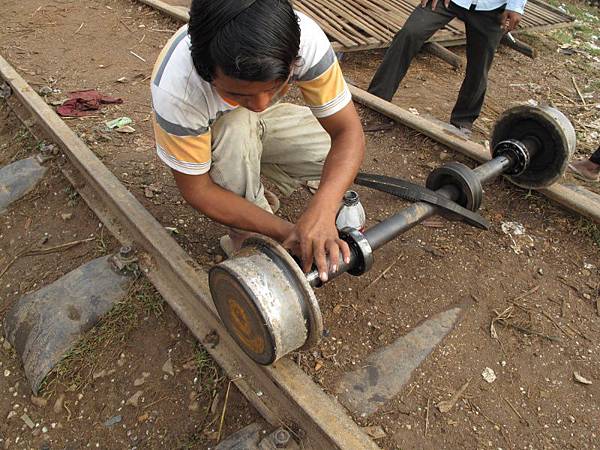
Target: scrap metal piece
{"type": "Point", "coordinates": [385, 372]}
{"type": "Point", "coordinates": [17, 179]}
{"type": "Point", "coordinates": [255, 437]}
{"type": "Point", "coordinates": [247, 438]}
{"type": "Point", "coordinates": [44, 325]}
{"type": "Point", "coordinates": [416, 193]}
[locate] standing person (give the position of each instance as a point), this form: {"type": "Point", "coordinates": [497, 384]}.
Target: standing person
{"type": "Point", "coordinates": [218, 127]}
{"type": "Point", "coordinates": [485, 23]}
{"type": "Point", "coordinates": [588, 169]}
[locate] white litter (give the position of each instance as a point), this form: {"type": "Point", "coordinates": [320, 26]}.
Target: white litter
{"type": "Point", "coordinates": [488, 375]}
{"type": "Point", "coordinates": [581, 379]}
{"type": "Point", "coordinates": [519, 238]}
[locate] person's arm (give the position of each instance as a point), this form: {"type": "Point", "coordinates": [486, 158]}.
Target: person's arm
{"type": "Point", "coordinates": [315, 235]}
{"type": "Point", "coordinates": [228, 208]}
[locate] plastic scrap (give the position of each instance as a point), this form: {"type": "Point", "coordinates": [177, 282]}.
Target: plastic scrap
{"type": "Point", "coordinates": [119, 122]}
{"type": "Point", "coordinates": [519, 238]}
{"type": "Point", "coordinates": [489, 375]}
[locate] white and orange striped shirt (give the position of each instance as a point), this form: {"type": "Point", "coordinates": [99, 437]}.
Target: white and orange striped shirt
{"type": "Point", "coordinates": [185, 106]}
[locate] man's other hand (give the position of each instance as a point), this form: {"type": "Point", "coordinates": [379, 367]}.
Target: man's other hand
{"type": "Point", "coordinates": [509, 20]}
{"type": "Point", "coordinates": [434, 3]}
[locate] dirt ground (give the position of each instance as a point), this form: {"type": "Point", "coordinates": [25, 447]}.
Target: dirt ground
{"type": "Point", "coordinates": [550, 278]}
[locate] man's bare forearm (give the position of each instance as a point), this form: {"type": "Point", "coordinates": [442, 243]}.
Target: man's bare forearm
{"type": "Point", "coordinates": [232, 210]}
{"type": "Point", "coordinates": [342, 163]}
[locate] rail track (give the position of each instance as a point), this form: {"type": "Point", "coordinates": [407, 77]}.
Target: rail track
{"type": "Point", "coordinates": [282, 393]}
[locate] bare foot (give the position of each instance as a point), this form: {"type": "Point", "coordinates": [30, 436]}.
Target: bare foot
{"type": "Point", "coordinates": [586, 169]}
{"type": "Point", "coordinates": [232, 242]}
{"type": "Point", "coordinates": [273, 201]}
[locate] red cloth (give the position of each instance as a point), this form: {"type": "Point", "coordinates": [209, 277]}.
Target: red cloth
{"type": "Point", "coordinates": [80, 103]}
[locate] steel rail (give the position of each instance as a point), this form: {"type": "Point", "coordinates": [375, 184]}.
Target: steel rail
{"type": "Point", "coordinates": [283, 394]}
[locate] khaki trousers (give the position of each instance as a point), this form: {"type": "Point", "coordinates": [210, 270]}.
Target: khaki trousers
{"type": "Point", "coordinates": [285, 143]}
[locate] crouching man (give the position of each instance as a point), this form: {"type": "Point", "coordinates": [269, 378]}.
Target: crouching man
{"type": "Point", "coordinates": [218, 125]}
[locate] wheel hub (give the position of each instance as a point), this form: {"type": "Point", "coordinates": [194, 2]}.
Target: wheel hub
{"type": "Point", "coordinates": [265, 301]}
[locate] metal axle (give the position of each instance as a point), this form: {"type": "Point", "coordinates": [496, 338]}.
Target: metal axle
{"type": "Point", "coordinates": [387, 230]}
{"type": "Point", "coordinates": [269, 305]}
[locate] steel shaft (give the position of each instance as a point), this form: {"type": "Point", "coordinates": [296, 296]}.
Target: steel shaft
{"type": "Point", "coordinates": [390, 228]}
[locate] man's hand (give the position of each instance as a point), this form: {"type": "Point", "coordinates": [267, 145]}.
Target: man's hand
{"type": "Point", "coordinates": [509, 20]}
{"type": "Point", "coordinates": [434, 3]}
{"type": "Point", "coordinates": [315, 236]}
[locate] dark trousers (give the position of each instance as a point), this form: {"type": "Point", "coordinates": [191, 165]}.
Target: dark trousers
{"type": "Point", "coordinates": [595, 158]}
{"type": "Point", "coordinates": [483, 37]}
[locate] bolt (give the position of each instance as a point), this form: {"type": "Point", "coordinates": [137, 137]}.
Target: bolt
{"type": "Point", "coordinates": [125, 251]}
{"type": "Point", "coordinates": [281, 438]}
{"type": "Point", "coordinates": [5, 90]}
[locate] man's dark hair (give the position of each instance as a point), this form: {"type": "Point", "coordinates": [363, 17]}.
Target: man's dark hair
{"type": "Point", "coordinates": [252, 40]}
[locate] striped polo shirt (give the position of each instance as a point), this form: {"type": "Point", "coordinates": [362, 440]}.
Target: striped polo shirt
{"type": "Point", "coordinates": [185, 106]}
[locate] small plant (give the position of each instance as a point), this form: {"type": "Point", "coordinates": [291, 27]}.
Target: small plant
{"type": "Point", "coordinates": [203, 360]}
{"type": "Point", "coordinates": [21, 135]}
{"type": "Point", "coordinates": [151, 302]}
{"type": "Point", "coordinates": [101, 246]}
{"type": "Point", "coordinates": [72, 195]}
{"type": "Point", "coordinates": [591, 229]}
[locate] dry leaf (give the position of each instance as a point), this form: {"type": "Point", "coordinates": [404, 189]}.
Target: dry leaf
{"type": "Point", "coordinates": [168, 367]}
{"type": "Point", "coordinates": [446, 405]}
{"type": "Point", "coordinates": [126, 129]}
{"type": "Point", "coordinates": [134, 399]}
{"type": "Point", "coordinates": [375, 432]}
{"type": "Point", "coordinates": [580, 378]}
